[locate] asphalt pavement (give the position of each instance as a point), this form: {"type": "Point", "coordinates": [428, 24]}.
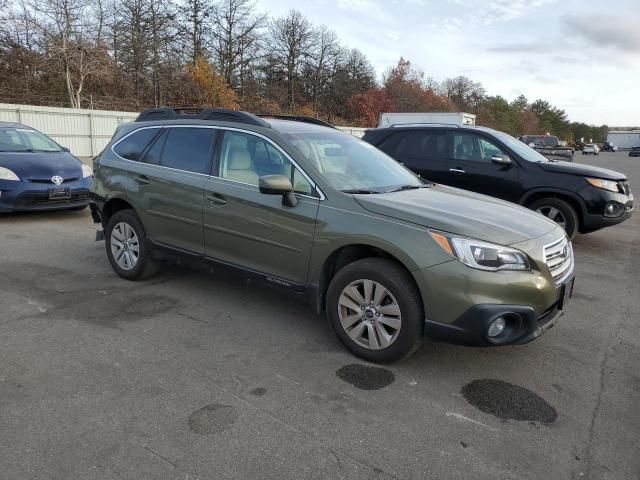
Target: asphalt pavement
{"type": "Point", "coordinates": [192, 375]}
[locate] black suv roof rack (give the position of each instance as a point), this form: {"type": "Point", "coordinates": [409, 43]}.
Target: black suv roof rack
{"type": "Point", "coordinates": [196, 113]}
{"type": "Point", "coordinates": [413, 124]}
{"type": "Point", "coordinates": [296, 118]}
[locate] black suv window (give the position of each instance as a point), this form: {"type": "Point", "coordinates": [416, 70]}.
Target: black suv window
{"type": "Point", "coordinates": [187, 149]}
{"type": "Point", "coordinates": [418, 145]}
{"type": "Point", "coordinates": [472, 147]}
{"type": "Point", "coordinates": [132, 146]}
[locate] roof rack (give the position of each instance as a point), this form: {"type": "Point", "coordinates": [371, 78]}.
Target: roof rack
{"type": "Point", "coordinates": [296, 118]}
{"type": "Point", "coordinates": [196, 113]}
{"type": "Point", "coordinates": [394, 125]}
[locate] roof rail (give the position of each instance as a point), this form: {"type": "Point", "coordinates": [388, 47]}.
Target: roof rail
{"type": "Point", "coordinates": [197, 113]}
{"type": "Point", "coordinates": [296, 118]}
{"type": "Point", "coordinates": [394, 125]}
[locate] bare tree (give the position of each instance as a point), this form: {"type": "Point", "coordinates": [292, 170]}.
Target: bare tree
{"type": "Point", "coordinates": [291, 40]}
{"type": "Point", "coordinates": [236, 38]}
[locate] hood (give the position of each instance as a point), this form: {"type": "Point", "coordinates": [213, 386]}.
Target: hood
{"type": "Point", "coordinates": [582, 170]}
{"type": "Point", "coordinates": [461, 212]}
{"type": "Point", "coordinates": [41, 165]}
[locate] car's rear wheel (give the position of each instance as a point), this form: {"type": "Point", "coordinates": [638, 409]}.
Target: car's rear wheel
{"type": "Point", "coordinates": [375, 309]}
{"type": "Point", "coordinates": [560, 212]}
{"type": "Point", "coordinates": [126, 246]}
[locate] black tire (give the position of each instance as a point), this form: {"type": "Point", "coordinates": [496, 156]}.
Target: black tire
{"type": "Point", "coordinates": [568, 212]}
{"type": "Point", "coordinates": [401, 285]}
{"type": "Point", "coordinates": [146, 266]}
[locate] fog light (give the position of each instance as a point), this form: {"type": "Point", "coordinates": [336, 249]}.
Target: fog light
{"type": "Point", "coordinates": [613, 209]}
{"type": "Point", "coordinates": [496, 327]}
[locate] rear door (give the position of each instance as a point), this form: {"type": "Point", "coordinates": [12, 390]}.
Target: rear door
{"type": "Point", "coordinates": [470, 167]}
{"type": "Point", "coordinates": [168, 185]}
{"type": "Point", "coordinates": [246, 228]}
{"type": "Point", "coordinates": [423, 151]}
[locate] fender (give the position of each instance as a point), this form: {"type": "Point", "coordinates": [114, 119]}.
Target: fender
{"type": "Point", "coordinates": [559, 191]}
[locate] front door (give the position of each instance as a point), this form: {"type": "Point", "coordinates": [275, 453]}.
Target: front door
{"type": "Point", "coordinates": [246, 228]}
{"type": "Point", "coordinates": [470, 167]}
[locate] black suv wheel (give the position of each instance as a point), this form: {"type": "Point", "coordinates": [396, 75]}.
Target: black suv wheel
{"type": "Point", "coordinates": [560, 212]}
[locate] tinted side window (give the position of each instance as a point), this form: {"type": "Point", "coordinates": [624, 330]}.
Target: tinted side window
{"type": "Point", "coordinates": [154, 154]}
{"type": "Point", "coordinates": [466, 147]}
{"type": "Point", "coordinates": [188, 149]}
{"type": "Point", "coordinates": [132, 146]}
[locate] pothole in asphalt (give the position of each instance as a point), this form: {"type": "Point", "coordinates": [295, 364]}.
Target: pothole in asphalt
{"type": "Point", "coordinates": [258, 392]}
{"type": "Point", "coordinates": [366, 377]}
{"type": "Point", "coordinates": [509, 402]}
{"type": "Point", "coordinates": [212, 419]}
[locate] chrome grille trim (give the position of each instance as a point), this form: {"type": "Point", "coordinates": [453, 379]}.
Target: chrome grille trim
{"type": "Point", "coordinates": [558, 256]}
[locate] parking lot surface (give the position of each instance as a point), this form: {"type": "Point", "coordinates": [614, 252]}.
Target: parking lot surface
{"type": "Point", "coordinates": [198, 376]}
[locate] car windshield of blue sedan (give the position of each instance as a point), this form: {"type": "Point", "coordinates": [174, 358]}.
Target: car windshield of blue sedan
{"type": "Point", "coordinates": [25, 140]}
{"type": "Point", "coordinates": [351, 165]}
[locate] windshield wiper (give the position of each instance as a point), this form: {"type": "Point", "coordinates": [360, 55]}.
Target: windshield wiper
{"type": "Point", "coordinates": [362, 191]}
{"type": "Point", "coordinates": [407, 187]}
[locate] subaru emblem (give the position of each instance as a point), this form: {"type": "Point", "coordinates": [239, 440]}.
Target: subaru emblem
{"type": "Point", "coordinates": [57, 179]}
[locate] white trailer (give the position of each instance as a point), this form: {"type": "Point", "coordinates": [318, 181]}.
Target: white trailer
{"type": "Point", "coordinates": [624, 139]}
{"type": "Point", "coordinates": [403, 118]}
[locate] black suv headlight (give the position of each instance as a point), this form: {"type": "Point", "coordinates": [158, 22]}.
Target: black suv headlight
{"type": "Point", "coordinates": [481, 255]}
{"type": "Point", "coordinates": [610, 185]}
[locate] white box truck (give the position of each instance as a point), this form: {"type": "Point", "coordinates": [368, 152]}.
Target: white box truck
{"type": "Point", "coordinates": [402, 118]}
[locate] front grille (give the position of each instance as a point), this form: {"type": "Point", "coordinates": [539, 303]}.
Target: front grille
{"type": "Point", "coordinates": [626, 189]}
{"type": "Point", "coordinates": [559, 259]}
{"type": "Point", "coordinates": [41, 199]}
{"type": "Point", "coordinates": [48, 180]}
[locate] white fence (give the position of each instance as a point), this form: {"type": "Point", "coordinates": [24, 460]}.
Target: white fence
{"type": "Point", "coordinates": [85, 132]}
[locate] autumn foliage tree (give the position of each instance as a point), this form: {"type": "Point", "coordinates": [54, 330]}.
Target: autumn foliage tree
{"type": "Point", "coordinates": [210, 88]}
{"type": "Point", "coordinates": [366, 107]}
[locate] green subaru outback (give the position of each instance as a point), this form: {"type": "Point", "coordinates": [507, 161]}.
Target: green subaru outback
{"type": "Point", "coordinates": [299, 204]}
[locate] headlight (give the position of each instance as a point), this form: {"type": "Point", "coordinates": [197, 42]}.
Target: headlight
{"type": "Point", "coordinates": [6, 174]}
{"type": "Point", "coordinates": [482, 255]}
{"type": "Point", "coordinates": [87, 171]}
{"type": "Point", "coordinates": [605, 184]}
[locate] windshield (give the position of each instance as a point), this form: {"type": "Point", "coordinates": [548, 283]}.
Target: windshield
{"type": "Point", "coordinates": [352, 165]}
{"type": "Point", "coordinates": [25, 140]}
{"type": "Point", "coordinates": [525, 151]}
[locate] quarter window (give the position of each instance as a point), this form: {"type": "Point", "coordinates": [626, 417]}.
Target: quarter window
{"type": "Point", "coordinates": [132, 147]}
{"type": "Point", "coordinates": [245, 158]}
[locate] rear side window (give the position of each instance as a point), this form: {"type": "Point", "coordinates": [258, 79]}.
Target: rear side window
{"type": "Point", "coordinates": [414, 148]}
{"type": "Point", "coordinates": [188, 149]}
{"type": "Point", "coordinates": [132, 147]}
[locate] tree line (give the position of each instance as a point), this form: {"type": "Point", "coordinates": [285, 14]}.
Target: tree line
{"type": "Point", "coordinates": [133, 54]}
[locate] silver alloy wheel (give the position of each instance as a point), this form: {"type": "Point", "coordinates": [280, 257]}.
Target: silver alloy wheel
{"type": "Point", "coordinates": [125, 247]}
{"type": "Point", "coordinates": [369, 314]}
{"type": "Point", "coordinates": [553, 214]}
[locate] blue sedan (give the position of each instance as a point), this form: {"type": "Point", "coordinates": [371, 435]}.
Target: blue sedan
{"type": "Point", "coordinates": [38, 174]}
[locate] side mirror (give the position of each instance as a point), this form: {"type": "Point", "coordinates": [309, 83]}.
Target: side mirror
{"type": "Point", "coordinates": [278, 185]}
{"type": "Point", "coordinates": [501, 159]}
{"type": "Point", "coordinates": [66, 149]}
{"type": "Point", "coordinates": [532, 145]}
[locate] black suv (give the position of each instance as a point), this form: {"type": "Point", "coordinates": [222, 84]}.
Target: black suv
{"type": "Point", "coordinates": [581, 198]}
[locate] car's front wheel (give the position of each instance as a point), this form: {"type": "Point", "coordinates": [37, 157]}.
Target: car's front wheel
{"type": "Point", "coordinates": [375, 309]}
{"type": "Point", "coordinates": [560, 212]}
{"type": "Point", "coordinates": [126, 245]}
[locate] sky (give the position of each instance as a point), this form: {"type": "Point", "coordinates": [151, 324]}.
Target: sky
{"type": "Point", "coordinates": [581, 55]}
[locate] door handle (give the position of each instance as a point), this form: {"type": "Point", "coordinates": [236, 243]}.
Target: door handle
{"type": "Point", "coordinates": [141, 180]}
{"type": "Point", "coordinates": [457, 171]}
{"type": "Point", "coordinates": [216, 198]}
